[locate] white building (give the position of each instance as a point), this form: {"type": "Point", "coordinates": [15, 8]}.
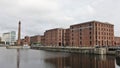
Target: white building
{"type": "Point", "coordinates": [9, 38]}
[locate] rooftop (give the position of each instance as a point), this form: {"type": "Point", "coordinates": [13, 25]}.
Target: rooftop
{"type": "Point", "coordinates": [94, 21]}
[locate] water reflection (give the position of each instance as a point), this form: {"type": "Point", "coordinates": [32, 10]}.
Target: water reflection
{"type": "Point", "coordinates": [18, 58]}
{"type": "Point", "coordinates": [12, 58]}
{"type": "Point", "coordinates": [82, 61]}
{"type": "Point", "coordinates": [118, 61]}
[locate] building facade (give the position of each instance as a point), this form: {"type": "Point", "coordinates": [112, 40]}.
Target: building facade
{"type": "Point", "coordinates": [35, 39]}
{"type": "Point", "coordinates": [87, 34]}
{"type": "Point", "coordinates": [9, 38]}
{"type": "Point", "coordinates": [21, 42]}
{"type": "Point", "coordinates": [42, 40]}
{"type": "Point", "coordinates": [57, 37]}
{"type": "Point", "coordinates": [117, 41]}
{"type": "Point", "coordinates": [91, 34]}
{"type": "Point", "coordinates": [66, 36]}
{"type": "Point", "coordinates": [27, 40]}
{"type": "Point", "coordinates": [54, 37]}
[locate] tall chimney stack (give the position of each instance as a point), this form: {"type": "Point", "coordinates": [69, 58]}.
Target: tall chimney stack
{"type": "Point", "coordinates": [19, 33]}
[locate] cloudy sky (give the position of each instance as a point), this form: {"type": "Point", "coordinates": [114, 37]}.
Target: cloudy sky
{"type": "Point", "coordinates": [39, 15]}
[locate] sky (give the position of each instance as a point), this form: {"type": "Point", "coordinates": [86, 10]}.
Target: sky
{"type": "Point", "coordinates": [37, 16]}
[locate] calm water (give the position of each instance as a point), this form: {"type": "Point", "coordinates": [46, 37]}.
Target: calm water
{"type": "Point", "coordinates": [28, 58]}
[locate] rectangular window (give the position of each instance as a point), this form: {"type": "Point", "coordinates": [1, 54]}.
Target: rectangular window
{"type": "Point", "coordinates": [72, 43]}
{"type": "Point", "coordinates": [80, 42]}
{"type": "Point", "coordinates": [71, 27]}
{"type": "Point", "coordinates": [80, 29]}
{"type": "Point", "coordinates": [96, 24]}
{"type": "Point", "coordinates": [90, 28]}
{"type": "Point", "coordinates": [72, 34]}
{"type": "Point", "coordinates": [96, 37]}
{"type": "Point", "coordinates": [96, 33]}
{"type": "Point", "coordinates": [90, 33]}
{"type": "Point", "coordinates": [90, 37]}
{"type": "Point", "coordinates": [99, 33]}
{"type": "Point", "coordinates": [90, 24]}
{"type": "Point", "coordinates": [96, 42]}
{"type": "Point", "coordinates": [72, 30]}
{"type": "Point", "coordinates": [80, 38]}
{"type": "Point", "coordinates": [90, 42]}
{"type": "Point", "coordinates": [80, 33]}
{"type": "Point", "coordinates": [72, 38]}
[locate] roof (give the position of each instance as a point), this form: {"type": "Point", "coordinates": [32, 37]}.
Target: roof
{"type": "Point", "coordinates": [94, 21]}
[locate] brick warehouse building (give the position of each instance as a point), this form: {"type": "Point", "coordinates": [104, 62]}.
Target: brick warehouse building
{"type": "Point", "coordinates": [35, 39]}
{"type": "Point", "coordinates": [43, 40]}
{"type": "Point", "coordinates": [92, 33]}
{"type": "Point", "coordinates": [53, 37]}
{"type": "Point", "coordinates": [67, 37]}
{"type": "Point", "coordinates": [25, 41]}
{"type": "Point", "coordinates": [87, 34]}
{"type": "Point", "coordinates": [56, 37]}
{"type": "Point", "coordinates": [117, 41]}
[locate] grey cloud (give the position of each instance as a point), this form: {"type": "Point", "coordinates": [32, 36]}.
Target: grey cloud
{"type": "Point", "coordinates": [39, 15]}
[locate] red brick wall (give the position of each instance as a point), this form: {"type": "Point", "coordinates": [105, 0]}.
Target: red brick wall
{"type": "Point", "coordinates": [117, 41]}
{"type": "Point", "coordinates": [54, 37]}
{"type": "Point", "coordinates": [35, 39]}
{"type": "Point", "coordinates": [90, 34]}
{"type": "Point", "coordinates": [27, 40]}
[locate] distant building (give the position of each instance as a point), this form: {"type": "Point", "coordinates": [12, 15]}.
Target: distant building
{"type": "Point", "coordinates": [27, 40]}
{"type": "Point", "coordinates": [87, 34]}
{"type": "Point", "coordinates": [67, 37]}
{"type": "Point", "coordinates": [55, 37]}
{"type": "Point", "coordinates": [9, 38]}
{"type": "Point", "coordinates": [117, 41]}
{"type": "Point", "coordinates": [35, 39]}
{"type": "Point", "coordinates": [92, 33]}
{"type": "Point", "coordinates": [43, 40]}
{"type": "Point", "coordinates": [21, 42]}
{"type": "Point", "coordinates": [1, 42]}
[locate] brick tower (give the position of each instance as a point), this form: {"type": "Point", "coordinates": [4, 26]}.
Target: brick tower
{"type": "Point", "coordinates": [19, 33]}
